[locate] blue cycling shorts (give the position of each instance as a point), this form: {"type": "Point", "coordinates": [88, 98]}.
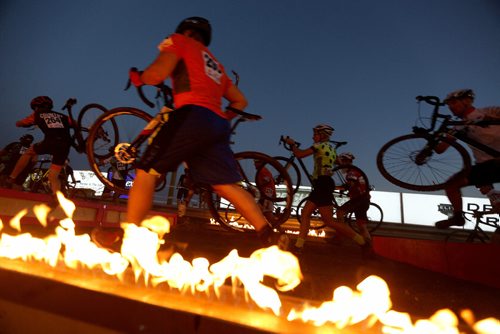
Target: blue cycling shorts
{"type": "Point", "coordinates": [199, 137]}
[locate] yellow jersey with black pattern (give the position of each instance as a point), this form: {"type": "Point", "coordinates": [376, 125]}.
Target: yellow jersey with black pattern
{"type": "Point", "coordinates": [324, 159]}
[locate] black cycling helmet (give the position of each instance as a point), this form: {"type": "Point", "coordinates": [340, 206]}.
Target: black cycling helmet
{"type": "Point", "coordinates": [199, 24]}
{"type": "Point", "coordinates": [42, 102]}
{"type": "Point", "coordinates": [26, 139]}
{"type": "Point", "coordinates": [460, 94]}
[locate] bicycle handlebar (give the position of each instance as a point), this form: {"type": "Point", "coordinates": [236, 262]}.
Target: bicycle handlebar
{"type": "Point", "coordinates": [164, 91]}
{"type": "Point", "coordinates": [432, 100]}
{"type": "Point", "coordinates": [288, 147]}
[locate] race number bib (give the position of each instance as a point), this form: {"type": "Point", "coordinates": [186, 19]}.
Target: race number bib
{"type": "Point", "coordinates": [212, 68]}
{"type": "Point", "coordinates": [52, 120]}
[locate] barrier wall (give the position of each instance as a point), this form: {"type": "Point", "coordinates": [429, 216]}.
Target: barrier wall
{"type": "Point", "coordinates": [87, 213]}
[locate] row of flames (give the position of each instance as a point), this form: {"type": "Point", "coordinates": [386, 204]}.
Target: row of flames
{"type": "Point", "coordinates": [370, 303]}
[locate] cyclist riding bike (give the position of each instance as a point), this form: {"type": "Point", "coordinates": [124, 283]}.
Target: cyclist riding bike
{"type": "Point", "coordinates": [198, 130]}
{"type": "Point", "coordinates": [56, 142]}
{"type": "Point", "coordinates": [486, 171]}
{"type": "Point", "coordinates": [321, 196]}
{"type": "Point", "coordinates": [359, 195]}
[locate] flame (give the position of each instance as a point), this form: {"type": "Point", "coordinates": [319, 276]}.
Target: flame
{"type": "Point", "coordinates": [141, 249]}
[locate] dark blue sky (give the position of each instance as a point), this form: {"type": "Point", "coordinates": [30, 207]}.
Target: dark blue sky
{"type": "Point", "coordinates": [355, 64]}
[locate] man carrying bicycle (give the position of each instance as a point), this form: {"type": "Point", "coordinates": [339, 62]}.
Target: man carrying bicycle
{"type": "Point", "coordinates": [486, 171]}
{"type": "Point", "coordinates": [198, 130]}
{"type": "Point", "coordinates": [321, 196]}
{"type": "Point", "coordinates": [57, 141]}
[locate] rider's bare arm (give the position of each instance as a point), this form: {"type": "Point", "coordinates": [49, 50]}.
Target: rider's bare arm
{"type": "Point", "coordinates": [26, 122]}
{"type": "Point", "coordinates": [160, 69]}
{"type": "Point", "coordinates": [235, 97]}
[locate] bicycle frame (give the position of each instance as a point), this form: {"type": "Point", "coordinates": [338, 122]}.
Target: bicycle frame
{"type": "Point", "coordinates": [446, 127]}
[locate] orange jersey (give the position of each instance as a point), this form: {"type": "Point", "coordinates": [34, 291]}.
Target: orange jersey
{"type": "Point", "coordinates": [198, 78]}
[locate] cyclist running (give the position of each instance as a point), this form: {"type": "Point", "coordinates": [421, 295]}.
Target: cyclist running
{"type": "Point", "coordinates": [184, 193]}
{"type": "Point", "coordinates": [359, 195]}
{"type": "Point", "coordinates": [198, 131]}
{"type": "Point", "coordinates": [321, 196]}
{"type": "Point", "coordinates": [57, 141]}
{"type": "Point", "coordinates": [486, 171]}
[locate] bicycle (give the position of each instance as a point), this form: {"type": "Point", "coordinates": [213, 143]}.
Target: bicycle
{"type": "Point", "coordinates": [38, 182]}
{"type": "Point", "coordinates": [81, 127]}
{"type": "Point", "coordinates": [129, 143]}
{"type": "Point", "coordinates": [410, 161]}
{"type": "Point", "coordinates": [477, 218]}
{"type": "Point", "coordinates": [375, 213]}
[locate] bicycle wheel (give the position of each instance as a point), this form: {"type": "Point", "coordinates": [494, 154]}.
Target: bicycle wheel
{"type": "Point", "coordinates": [375, 218]}
{"type": "Point", "coordinates": [224, 212]}
{"type": "Point", "coordinates": [87, 116]}
{"type": "Point", "coordinates": [292, 170]}
{"type": "Point", "coordinates": [410, 163]}
{"type": "Point", "coordinates": [124, 125]}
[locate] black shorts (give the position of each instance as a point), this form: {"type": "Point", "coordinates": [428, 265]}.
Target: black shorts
{"type": "Point", "coordinates": [57, 147]}
{"type": "Point", "coordinates": [485, 173]}
{"type": "Point", "coordinates": [322, 192]}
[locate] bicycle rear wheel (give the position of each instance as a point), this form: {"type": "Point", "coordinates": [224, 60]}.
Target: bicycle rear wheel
{"type": "Point", "coordinates": [292, 169]}
{"type": "Point", "coordinates": [375, 218]}
{"type": "Point", "coordinates": [224, 211]}
{"type": "Point", "coordinates": [123, 124]}
{"type": "Point", "coordinates": [409, 162]}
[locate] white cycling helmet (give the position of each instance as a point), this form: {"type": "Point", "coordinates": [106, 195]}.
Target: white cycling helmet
{"type": "Point", "coordinates": [346, 155]}
{"type": "Point", "coordinates": [324, 129]}
{"type": "Point", "coordinates": [460, 94]}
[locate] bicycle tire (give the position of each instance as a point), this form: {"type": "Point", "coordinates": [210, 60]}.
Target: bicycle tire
{"type": "Point", "coordinates": [396, 161]}
{"type": "Point", "coordinates": [224, 212]}
{"type": "Point", "coordinates": [87, 116]}
{"type": "Point", "coordinates": [375, 218]}
{"type": "Point", "coordinates": [124, 124]}
{"type": "Point", "coordinates": [292, 170]}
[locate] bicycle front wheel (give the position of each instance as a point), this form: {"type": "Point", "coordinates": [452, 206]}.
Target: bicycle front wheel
{"type": "Point", "coordinates": [122, 125]}
{"type": "Point", "coordinates": [375, 218]}
{"type": "Point", "coordinates": [87, 116]}
{"type": "Point", "coordinates": [258, 180]}
{"type": "Point", "coordinates": [410, 163]}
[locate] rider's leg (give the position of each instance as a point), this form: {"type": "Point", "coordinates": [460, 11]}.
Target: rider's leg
{"type": "Point", "coordinates": [53, 176]}
{"type": "Point", "coordinates": [23, 161]}
{"type": "Point", "coordinates": [454, 193]}
{"type": "Point", "coordinates": [140, 197]}
{"type": "Point", "coordinates": [244, 203]}
{"type": "Point", "coordinates": [326, 213]}
{"type": "Point", "coordinates": [305, 223]}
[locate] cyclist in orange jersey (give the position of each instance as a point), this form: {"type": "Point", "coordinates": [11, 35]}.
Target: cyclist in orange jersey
{"type": "Point", "coordinates": [198, 130]}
